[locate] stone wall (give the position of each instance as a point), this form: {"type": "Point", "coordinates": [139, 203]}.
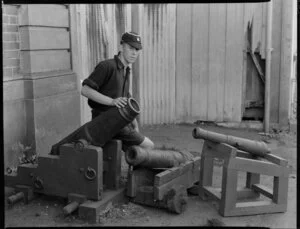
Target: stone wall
{"type": "Point", "coordinates": [41, 98]}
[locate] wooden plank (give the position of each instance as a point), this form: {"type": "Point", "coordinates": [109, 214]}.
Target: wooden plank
{"type": "Point", "coordinates": [217, 27]}
{"type": "Point", "coordinates": [218, 150]}
{"type": "Point", "coordinates": [213, 192]}
{"type": "Point", "coordinates": [244, 154]}
{"type": "Point", "coordinates": [251, 179]}
{"type": "Point", "coordinates": [183, 61]}
{"type": "Point", "coordinates": [184, 180]}
{"type": "Point", "coordinates": [275, 159]}
{"type": "Point", "coordinates": [172, 173]}
{"type": "Point", "coordinates": [286, 62]}
{"type": "Point", "coordinates": [242, 193]}
{"type": "Point", "coordinates": [261, 207]}
{"type": "Point", "coordinates": [229, 190]}
{"type": "Point", "coordinates": [112, 153]}
{"type": "Point", "coordinates": [261, 167]}
{"type": "Point", "coordinates": [263, 32]}
{"type": "Point", "coordinates": [234, 63]}
{"type": "Point", "coordinates": [196, 168]}
{"type": "Point", "coordinates": [200, 40]}
{"type": "Point", "coordinates": [280, 187]}
{"type": "Point", "coordinates": [276, 61]}
{"type": "Point", "coordinates": [257, 27]}
{"type": "Point", "coordinates": [263, 190]}
{"type": "Point", "coordinates": [257, 66]}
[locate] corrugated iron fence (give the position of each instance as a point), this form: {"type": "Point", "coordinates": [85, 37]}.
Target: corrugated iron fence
{"type": "Point", "coordinates": [193, 63]}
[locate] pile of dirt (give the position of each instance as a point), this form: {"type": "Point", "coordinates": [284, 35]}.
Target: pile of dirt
{"type": "Point", "coordinates": [121, 212]}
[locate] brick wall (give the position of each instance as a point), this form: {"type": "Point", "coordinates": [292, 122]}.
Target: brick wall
{"type": "Point", "coordinates": [11, 42]}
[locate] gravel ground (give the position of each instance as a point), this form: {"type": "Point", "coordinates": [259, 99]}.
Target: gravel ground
{"type": "Point", "coordinates": [47, 211]}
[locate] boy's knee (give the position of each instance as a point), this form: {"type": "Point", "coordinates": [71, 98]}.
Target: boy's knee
{"type": "Point", "coordinates": [147, 144]}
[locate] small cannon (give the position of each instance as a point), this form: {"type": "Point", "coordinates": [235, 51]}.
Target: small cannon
{"type": "Point", "coordinates": [254, 147]}
{"type": "Point", "coordinates": [102, 128]}
{"type": "Point", "coordinates": [160, 178]}
{"type": "Point", "coordinates": [81, 167]}
{"type": "Point", "coordinates": [155, 158]}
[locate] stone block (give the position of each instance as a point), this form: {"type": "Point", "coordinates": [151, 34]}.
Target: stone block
{"type": "Point", "coordinates": [14, 130]}
{"type": "Point", "coordinates": [90, 210]}
{"type": "Point", "coordinates": [35, 38]}
{"type": "Point", "coordinates": [50, 119]}
{"type": "Point", "coordinates": [55, 15]}
{"type": "Point", "coordinates": [51, 85]}
{"type": "Point", "coordinates": [44, 61]}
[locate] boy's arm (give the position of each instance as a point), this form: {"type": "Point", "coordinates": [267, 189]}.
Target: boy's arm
{"type": "Point", "coordinates": [98, 97]}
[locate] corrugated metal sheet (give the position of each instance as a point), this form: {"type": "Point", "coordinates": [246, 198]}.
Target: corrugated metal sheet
{"type": "Point", "coordinates": [157, 63]}
{"type": "Point", "coordinates": [210, 59]}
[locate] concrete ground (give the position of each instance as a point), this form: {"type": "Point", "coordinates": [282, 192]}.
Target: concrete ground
{"type": "Point", "coordinates": [47, 211]}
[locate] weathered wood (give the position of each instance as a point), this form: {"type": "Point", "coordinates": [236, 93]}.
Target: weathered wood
{"type": "Point", "coordinates": [178, 200]}
{"type": "Point", "coordinates": [206, 174]}
{"type": "Point", "coordinates": [244, 154]}
{"type": "Point", "coordinates": [16, 197]}
{"type": "Point", "coordinates": [242, 193]}
{"type": "Point", "coordinates": [70, 163]}
{"type": "Point", "coordinates": [251, 179]}
{"type": "Point", "coordinates": [280, 192]}
{"type": "Point", "coordinates": [71, 207]}
{"type": "Point", "coordinates": [112, 153]}
{"type": "Point", "coordinates": [229, 190]}
{"type": "Point", "coordinates": [131, 184]}
{"type": "Point", "coordinates": [196, 168]}
{"type": "Point", "coordinates": [252, 208]}
{"type": "Point", "coordinates": [263, 190]}
{"type": "Point", "coordinates": [212, 192]}
{"type": "Point", "coordinates": [218, 150]}
{"type": "Point", "coordinates": [229, 194]}
{"type": "Point", "coordinates": [286, 61]}
{"type": "Point", "coordinates": [28, 192]}
{"type": "Point", "coordinates": [257, 66]}
{"type": "Point", "coordinates": [276, 60]}
{"type": "Point", "coordinates": [200, 51]}
{"type": "Point", "coordinates": [275, 159]}
{"type": "Point", "coordinates": [185, 180]}
{"type": "Point", "coordinates": [262, 167]}
{"type": "Point", "coordinates": [172, 173]}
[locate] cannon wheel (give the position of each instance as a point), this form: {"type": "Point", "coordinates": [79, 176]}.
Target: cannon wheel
{"type": "Point", "coordinates": [177, 199]}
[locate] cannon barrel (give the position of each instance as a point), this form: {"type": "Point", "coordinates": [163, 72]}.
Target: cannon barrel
{"type": "Point", "coordinates": [102, 128]}
{"type": "Point", "coordinates": [251, 146]}
{"type": "Point", "coordinates": [155, 158]}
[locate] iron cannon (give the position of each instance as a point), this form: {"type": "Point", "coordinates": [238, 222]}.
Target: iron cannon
{"type": "Point", "coordinates": [255, 147]}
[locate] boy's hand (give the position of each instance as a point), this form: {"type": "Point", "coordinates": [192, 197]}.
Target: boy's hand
{"type": "Point", "coordinates": [119, 102]}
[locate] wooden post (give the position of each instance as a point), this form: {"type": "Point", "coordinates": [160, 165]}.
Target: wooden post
{"type": "Point", "coordinates": [268, 68]}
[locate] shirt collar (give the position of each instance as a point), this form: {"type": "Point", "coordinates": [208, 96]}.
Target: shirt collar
{"type": "Point", "coordinates": [120, 65]}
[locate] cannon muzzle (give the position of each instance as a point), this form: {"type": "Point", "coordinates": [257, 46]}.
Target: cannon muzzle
{"type": "Point", "coordinates": [155, 158]}
{"type": "Point", "coordinates": [102, 128]}
{"type": "Point", "coordinates": [251, 146]}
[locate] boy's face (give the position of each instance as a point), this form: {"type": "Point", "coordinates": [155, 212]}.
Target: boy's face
{"type": "Point", "coordinates": [129, 53]}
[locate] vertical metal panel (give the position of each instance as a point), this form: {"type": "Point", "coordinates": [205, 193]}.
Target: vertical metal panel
{"type": "Point", "coordinates": [217, 28]}
{"type": "Point", "coordinates": [183, 62]}
{"type": "Point", "coordinates": [157, 63]}
{"type": "Point", "coordinates": [234, 63]}
{"type": "Point", "coordinates": [200, 50]}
